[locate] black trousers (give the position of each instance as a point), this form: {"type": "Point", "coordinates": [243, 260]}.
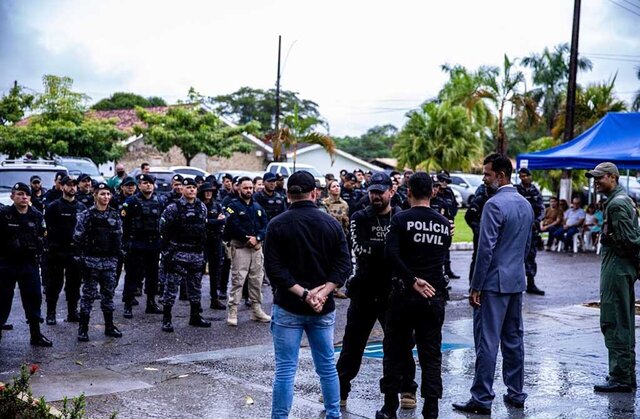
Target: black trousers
{"type": "Point", "coordinates": [476, 237]}
{"type": "Point", "coordinates": [27, 276]}
{"type": "Point", "coordinates": [141, 264]}
{"type": "Point", "coordinates": [410, 315]}
{"type": "Point", "coordinates": [213, 256]}
{"type": "Point", "coordinates": [361, 317]}
{"type": "Point", "coordinates": [62, 270]}
{"type": "Point", "coordinates": [224, 275]}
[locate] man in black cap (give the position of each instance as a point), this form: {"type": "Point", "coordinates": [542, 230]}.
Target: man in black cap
{"type": "Point", "coordinates": [183, 232]}
{"type": "Point", "coordinates": [176, 185]}
{"type": "Point", "coordinates": [55, 192]}
{"type": "Point", "coordinates": [272, 202]}
{"type": "Point", "coordinates": [62, 269]}
{"type": "Point", "coordinates": [370, 287]}
{"type": "Point", "coordinates": [445, 203]}
{"type": "Point", "coordinates": [306, 258]}
{"type": "Point", "coordinates": [98, 240]}
{"type": "Point", "coordinates": [213, 246]}
{"type": "Point", "coordinates": [127, 189]}
{"type": "Point", "coordinates": [417, 244]}
{"type": "Point", "coordinates": [199, 180]}
{"type": "Point", "coordinates": [227, 186]}
{"type": "Point", "coordinates": [280, 185]}
{"type": "Point", "coordinates": [85, 194]}
{"type": "Point", "coordinates": [350, 192]}
{"type": "Point", "coordinates": [22, 231]}
{"type": "Point", "coordinates": [532, 194]}
{"type": "Point", "coordinates": [37, 192]}
{"type": "Point", "coordinates": [141, 225]}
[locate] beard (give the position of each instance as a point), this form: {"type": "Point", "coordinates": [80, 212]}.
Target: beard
{"type": "Point", "coordinates": [493, 187]}
{"type": "Point", "coordinates": [379, 205]}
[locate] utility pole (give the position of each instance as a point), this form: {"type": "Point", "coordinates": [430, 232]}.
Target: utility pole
{"type": "Point", "coordinates": [565, 182]}
{"type": "Point", "coordinates": [278, 85]}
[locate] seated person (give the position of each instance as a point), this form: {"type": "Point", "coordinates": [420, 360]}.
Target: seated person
{"type": "Point", "coordinates": [572, 222]}
{"type": "Point", "coordinates": [552, 221]}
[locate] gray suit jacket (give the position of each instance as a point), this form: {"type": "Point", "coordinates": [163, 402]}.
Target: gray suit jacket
{"type": "Point", "coordinates": [505, 237]}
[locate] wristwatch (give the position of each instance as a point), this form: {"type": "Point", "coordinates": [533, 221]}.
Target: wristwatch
{"type": "Point", "coordinates": [304, 295]}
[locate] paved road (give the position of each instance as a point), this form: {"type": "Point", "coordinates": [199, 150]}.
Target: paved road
{"type": "Point", "coordinates": [223, 372]}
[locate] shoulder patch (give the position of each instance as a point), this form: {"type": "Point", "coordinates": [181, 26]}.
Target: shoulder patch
{"type": "Point", "coordinates": [229, 210]}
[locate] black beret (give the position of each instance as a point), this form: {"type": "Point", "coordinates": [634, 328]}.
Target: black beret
{"type": "Point", "coordinates": [102, 185]}
{"type": "Point", "coordinates": [188, 181]}
{"type": "Point", "coordinates": [146, 177]}
{"type": "Point", "coordinates": [177, 178]}
{"type": "Point", "coordinates": [21, 187]}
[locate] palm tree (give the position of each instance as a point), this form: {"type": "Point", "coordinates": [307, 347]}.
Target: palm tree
{"type": "Point", "coordinates": [298, 130]}
{"type": "Point", "coordinates": [550, 75]}
{"type": "Point", "coordinates": [438, 136]}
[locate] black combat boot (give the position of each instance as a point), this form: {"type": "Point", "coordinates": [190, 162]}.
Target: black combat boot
{"type": "Point", "coordinates": [390, 407]}
{"type": "Point", "coordinates": [216, 304]}
{"type": "Point", "coordinates": [83, 328]}
{"type": "Point", "coordinates": [532, 288]}
{"type": "Point", "coordinates": [430, 408]}
{"type": "Point", "coordinates": [152, 307]}
{"type": "Point", "coordinates": [37, 338]}
{"type": "Point", "coordinates": [166, 319]}
{"type": "Point", "coordinates": [72, 312]}
{"type": "Point", "coordinates": [109, 328]}
{"type": "Point", "coordinates": [51, 316]}
{"type": "Point", "coordinates": [128, 311]}
{"type": "Point", "coordinates": [196, 319]}
{"type": "Point", "coordinates": [449, 272]}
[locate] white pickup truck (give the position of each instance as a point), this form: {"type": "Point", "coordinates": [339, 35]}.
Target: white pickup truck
{"type": "Point", "coordinates": [286, 169]}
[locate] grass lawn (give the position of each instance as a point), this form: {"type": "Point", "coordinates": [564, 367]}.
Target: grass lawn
{"type": "Point", "coordinates": [463, 231]}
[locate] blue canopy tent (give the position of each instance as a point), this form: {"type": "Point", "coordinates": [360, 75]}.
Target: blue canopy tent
{"type": "Point", "coordinates": [615, 138]}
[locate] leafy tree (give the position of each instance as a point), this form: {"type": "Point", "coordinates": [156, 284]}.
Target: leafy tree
{"type": "Point", "coordinates": [375, 143]}
{"type": "Point", "coordinates": [193, 130]}
{"type": "Point", "coordinates": [14, 105]}
{"type": "Point", "coordinates": [60, 127]}
{"type": "Point", "coordinates": [439, 136]}
{"type": "Point", "coordinates": [248, 104]}
{"type": "Point", "coordinates": [298, 130]}
{"type": "Point", "coordinates": [550, 76]}
{"type": "Point", "coordinates": [124, 100]}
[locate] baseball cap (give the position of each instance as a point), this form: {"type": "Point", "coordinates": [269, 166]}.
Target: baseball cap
{"type": "Point", "coordinates": [351, 177]}
{"type": "Point", "coordinates": [525, 171]}
{"type": "Point", "coordinates": [227, 176]}
{"type": "Point", "coordinates": [35, 177]}
{"type": "Point", "coordinates": [177, 178]}
{"type": "Point", "coordinates": [145, 176]}
{"type": "Point", "coordinates": [198, 178]}
{"type": "Point", "coordinates": [443, 176]}
{"type": "Point", "coordinates": [60, 175]}
{"type": "Point", "coordinates": [208, 187]}
{"type": "Point", "coordinates": [269, 177]}
{"type": "Point", "coordinates": [188, 181]}
{"type": "Point", "coordinates": [606, 168]}
{"type": "Point", "coordinates": [68, 179]}
{"type": "Point", "coordinates": [301, 182]}
{"type": "Point", "coordinates": [21, 187]}
{"type": "Point", "coordinates": [380, 182]}
{"type": "Point", "coordinates": [83, 176]}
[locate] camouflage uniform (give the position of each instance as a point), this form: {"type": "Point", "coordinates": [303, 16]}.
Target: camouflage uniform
{"type": "Point", "coordinates": [182, 227]}
{"type": "Point", "coordinates": [338, 209]}
{"type": "Point", "coordinates": [98, 235]}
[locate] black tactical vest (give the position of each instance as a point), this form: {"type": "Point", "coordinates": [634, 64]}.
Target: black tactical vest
{"type": "Point", "coordinates": [146, 220]}
{"type": "Point", "coordinates": [189, 228]}
{"type": "Point", "coordinates": [102, 235]}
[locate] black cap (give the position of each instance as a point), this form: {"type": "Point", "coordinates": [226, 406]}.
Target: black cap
{"type": "Point", "coordinates": [269, 177]}
{"type": "Point", "coordinates": [21, 187]}
{"type": "Point", "coordinates": [227, 176]}
{"type": "Point", "coordinates": [343, 172]}
{"type": "Point", "coordinates": [279, 176]}
{"type": "Point", "coordinates": [83, 176]}
{"type": "Point", "coordinates": [198, 178]}
{"type": "Point", "coordinates": [380, 182]}
{"type": "Point", "coordinates": [525, 171]}
{"type": "Point", "coordinates": [358, 171]}
{"type": "Point", "coordinates": [188, 181]}
{"type": "Point", "coordinates": [68, 179]}
{"type": "Point", "coordinates": [102, 185]}
{"type": "Point", "coordinates": [35, 177]}
{"type": "Point", "coordinates": [60, 175]}
{"type": "Point", "coordinates": [301, 182]}
{"type": "Point", "coordinates": [443, 176]}
{"type": "Point", "coordinates": [177, 178]}
{"type": "Point", "coordinates": [351, 177]}
{"type": "Point", "coordinates": [146, 177]}
{"type": "Point", "coordinates": [208, 187]}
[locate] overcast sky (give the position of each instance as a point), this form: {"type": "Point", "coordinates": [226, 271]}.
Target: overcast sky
{"type": "Point", "coordinates": [364, 62]}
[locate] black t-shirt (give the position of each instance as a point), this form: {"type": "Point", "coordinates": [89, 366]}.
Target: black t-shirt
{"type": "Point", "coordinates": [417, 243]}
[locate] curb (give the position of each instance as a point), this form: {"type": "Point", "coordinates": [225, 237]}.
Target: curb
{"type": "Point", "coordinates": [461, 246]}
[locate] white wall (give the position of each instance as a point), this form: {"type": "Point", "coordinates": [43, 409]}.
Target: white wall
{"type": "Point", "coordinates": [320, 159]}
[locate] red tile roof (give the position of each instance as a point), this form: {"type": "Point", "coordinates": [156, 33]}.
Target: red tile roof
{"type": "Point", "coordinates": [126, 119]}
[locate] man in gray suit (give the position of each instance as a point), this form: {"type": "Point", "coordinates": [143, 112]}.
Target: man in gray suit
{"type": "Point", "coordinates": [496, 289]}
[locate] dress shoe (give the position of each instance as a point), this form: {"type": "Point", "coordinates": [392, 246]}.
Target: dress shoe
{"type": "Point", "coordinates": [111, 330]}
{"type": "Point", "coordinates": [472, 407]}
{"type": "Point", "coordinates": [534, 290]}
{"type": "Point", "coordinates": [511, 402]}
{"type": "Point", "coordinates": [452, 275]}
{"type": "Point", "coordinates": [41, 340]}
{"type": "Point", "coordinates": [613, 387]}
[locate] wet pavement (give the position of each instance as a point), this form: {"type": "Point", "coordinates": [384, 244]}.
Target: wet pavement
{"type": "Point", "coordinates": [224, 372]}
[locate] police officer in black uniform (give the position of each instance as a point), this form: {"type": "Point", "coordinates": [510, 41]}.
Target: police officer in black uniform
{"type": "Point", "coordinates": [532, 194]}
{"type": "Point", "coordinates": [370, 287]}
{"type": "Point", "coordinates": [141, 225]}
{"type": "Point", "coordinates": [213, 246]}
{"type": "Point", "coordinates": [272, 202]}
{"type": "Point", "coordinates": [37, 192]}
{"type": "Point", "coordinates": [445, 203]}
{"type": "Point", "coordinates": [472, 217]}
{"type": "Point", "coordinates": [227, 186]}
{"type": "Point", "coordinates": [85, 194]}
{"type": "Point", "coordinates": [62, 268]}
{"type": "Point", "coordinates": [22, 230]}
{"type": "Point", "coordinates": [55, 192]}
{"type": "Point", "coordinates": [417, 244]}
{"type": "Point", "coordinates": [176, 185]}
{"type": "Point", "coordinates": [350, 192]}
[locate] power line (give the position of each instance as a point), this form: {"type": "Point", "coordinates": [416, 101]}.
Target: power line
{"type": "Point", "coordinates": [632, 4]}
{"type": "Point", "coordinates": [625, 8]}
{"type": "Point", "coordinates": [626, 60]}
{"type": "Point", "coordinates": [612, 55]}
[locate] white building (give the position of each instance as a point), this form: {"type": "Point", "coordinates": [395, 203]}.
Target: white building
{"type": "Point", "coordinates": [318, 157]}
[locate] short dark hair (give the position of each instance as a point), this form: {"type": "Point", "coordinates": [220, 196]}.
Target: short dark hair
{"type": "Point", "coordinates": [143, 165]}
{"type": "Point", "coordinates": [500, 163]}
{"type": "Point", "coordinates": [244, 179]}
{"type": "Point", "coordinates": [257, 178]}
{"type": "Point", "coordinates": [421, 185]}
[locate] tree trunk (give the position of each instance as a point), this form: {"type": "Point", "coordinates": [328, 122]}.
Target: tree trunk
{"type": "Point", "coordinates": [188, 159]}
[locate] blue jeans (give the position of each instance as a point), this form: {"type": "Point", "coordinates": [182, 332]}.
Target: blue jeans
{"type": "Point", "coordinates": [287, 329]}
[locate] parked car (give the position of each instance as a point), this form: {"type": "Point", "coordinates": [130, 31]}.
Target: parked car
{"type": "Point", "coordinates": [238, 173]}
{"type": "Point", "coordinates": [286, 169]}
{"type": "Point", "coordinates": [458, 196]}
{"type": "Point", "coordinates": [163, 177]}
{"type": "Point", "coordinates": [78, 165]}
{"type": "Point", "coordinates": [14, 171]}
{"type": "Point", "coordinates": [466, 184]}
{"type": "Point", "coordinates": [189, 171]}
